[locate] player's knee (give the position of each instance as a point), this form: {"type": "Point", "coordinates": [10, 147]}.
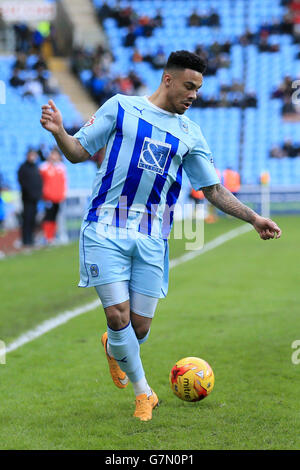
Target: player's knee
{"type": "Point", "coordinates": [117, 316]}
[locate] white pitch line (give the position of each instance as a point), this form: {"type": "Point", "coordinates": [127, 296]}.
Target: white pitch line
{"type": "Point", "coordinates": [50, 324]}
{"type": "Point", "coordinates": [64, 317]}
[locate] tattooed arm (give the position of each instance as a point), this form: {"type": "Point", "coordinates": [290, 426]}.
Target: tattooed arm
{"type": "Point", "coordinates": [220, 197]}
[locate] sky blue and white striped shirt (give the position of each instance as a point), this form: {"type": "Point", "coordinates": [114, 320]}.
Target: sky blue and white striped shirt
{"type": "Point", "coordinates": [147, 148]}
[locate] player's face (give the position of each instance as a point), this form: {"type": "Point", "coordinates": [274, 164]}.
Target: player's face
{"type": "Point", "coordinates": [182, 87]}
{"type": "Point", "coordinates": [32, 157]}
{"type": "Point", "coordinates": [54, 157]}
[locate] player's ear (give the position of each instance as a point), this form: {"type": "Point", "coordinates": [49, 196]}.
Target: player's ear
{"type": "Point", "coordinates": [167, 78]}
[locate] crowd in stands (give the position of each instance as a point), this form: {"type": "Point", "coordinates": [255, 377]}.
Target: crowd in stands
{"type": "Point", "coordinates": [292, 18]}
{"type": "Point", "coordinates": [94, 69]}
{"type": "Point", "coordinates": [288, 149]}
{"type": "Point", "coordinates": [215, 56]}
{"type": "Point", "coordinates": [127, 17]}
{"type": "Point", "coordinates": [286, 91]}
{"type": "Point", "coordinates": [210, 18]}
{"type": "Point", "coordinates": [233, 95]}
{"type": "Point", "coordinates": [30, 75]}
{"type": "Point", "coordinates": [41, 37]}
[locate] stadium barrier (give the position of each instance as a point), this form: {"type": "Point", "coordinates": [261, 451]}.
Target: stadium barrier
{"type": "Point", "coordinates": [264, 199]}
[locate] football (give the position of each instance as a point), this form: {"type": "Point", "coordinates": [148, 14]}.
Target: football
{"type": "Point", "coordinates": [192, 379]}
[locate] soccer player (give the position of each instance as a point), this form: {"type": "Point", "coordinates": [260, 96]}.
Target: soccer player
{"type": "Point", "coordinates": [123, 243]}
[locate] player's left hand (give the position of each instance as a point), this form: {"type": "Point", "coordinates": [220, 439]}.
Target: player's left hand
{"type": "Point", "coordinates": [266, 228]}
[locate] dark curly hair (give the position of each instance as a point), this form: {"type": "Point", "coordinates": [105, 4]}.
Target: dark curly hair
{"type": "Point", "coordinates": [185, 60]}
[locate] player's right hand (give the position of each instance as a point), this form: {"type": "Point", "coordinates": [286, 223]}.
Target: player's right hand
{"type": "Point", "coordinates": [51, 119]}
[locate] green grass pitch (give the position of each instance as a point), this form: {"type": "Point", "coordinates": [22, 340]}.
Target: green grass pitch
{"type": "Point", "coordinates": [236, 306]}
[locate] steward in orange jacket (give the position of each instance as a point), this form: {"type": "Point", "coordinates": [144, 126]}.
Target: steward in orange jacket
{"type": "Point", "coordinates": [231, 180]}
{"type": "Point", "coordinates": [54, 191]}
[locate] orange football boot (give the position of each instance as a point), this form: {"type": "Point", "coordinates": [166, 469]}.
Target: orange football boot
{"type": "Point", "coordinates": [144, 406]}
{"type": "Point", "coordinates": [119, 377]}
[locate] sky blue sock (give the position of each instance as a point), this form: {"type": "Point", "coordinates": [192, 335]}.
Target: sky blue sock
{"type": "Point", "coordinates": [124, 347]}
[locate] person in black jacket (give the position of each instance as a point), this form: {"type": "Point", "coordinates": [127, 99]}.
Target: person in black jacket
{"type": "Point", "coordinates": [31, 185]}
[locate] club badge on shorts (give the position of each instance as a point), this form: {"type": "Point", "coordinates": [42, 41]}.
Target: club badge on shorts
{"type": "Point", "coordinates": [94, 270]}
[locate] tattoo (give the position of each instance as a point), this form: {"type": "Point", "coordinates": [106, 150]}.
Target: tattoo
{"type": "Point", "coordinates": [224, 200]}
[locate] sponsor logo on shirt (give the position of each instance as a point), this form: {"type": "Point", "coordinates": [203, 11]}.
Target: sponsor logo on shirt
{"type": "Point", "coordinates": [154, 155]}
{"type": "Point", "coordinates": [91, 121]}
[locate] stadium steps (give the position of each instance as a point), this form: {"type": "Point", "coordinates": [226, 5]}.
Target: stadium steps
{"type": "Point", "coordinates": [88, 32]}
{"type": "Point", "coordinates": [70, 85]}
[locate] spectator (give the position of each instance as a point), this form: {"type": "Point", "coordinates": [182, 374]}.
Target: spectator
{"type": "Point", "coordinates": [54, 192]}
{"type": "Point", "coordinates": [16, 81]}
{"type": "Point", "coordinates": [130, 37]}
{"type": "Point", "coordinates": [136, 56]}
{"type": "Point", "coordinates": [247, 38]}
{"type": "Point", "coordinates": [288, 107]}
{"type": "Point", "coordinates": [231, 180]}
{"type": "Point", "coordinates": [216, 56]}
{"type": "Point", "coordinates": [23, 36]}
{"type": "Point", "coordinates": [289, 149]}
{"type": "Point", "coordinates": [157, 60]}
{"type": "Point", "coordinates": [214, 18]}
{"type": "Point", "coordinates": [264, 45]}
{"type": "Point", "coordinates": [194, 19]}
{"type": "Point", "coordinates": [105, 11]}
{"type": "Point", "coordinates": [31, 186]}
{"type": "Point", "coordinates": [250, 100]}
{"type": "Point", "coordinates": [158, 19]}
{"type": "Point", "coordinates": [276, 152]}
{"type": "Point", "coordinates": [287, 24]}
{"type": "Point", "coordinates": [284, 92]}
{"type": "Point", "coordinates": [147, 25]}
{"type": "Point", "coordinates": [33, 88]}
{"type": "Point", "coordinates": [21, 59]}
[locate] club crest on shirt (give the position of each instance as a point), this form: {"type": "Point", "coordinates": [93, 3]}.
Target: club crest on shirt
{"type": "Point", "coordinates": [184, 126]}
{"type": "Point", "coordinates": [91, 121]}
{"type": "Point", "coordinates": [154, 155]}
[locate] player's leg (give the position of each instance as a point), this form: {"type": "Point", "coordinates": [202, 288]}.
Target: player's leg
{"type": "Point", "coordinates": [124, 346]}
{"type": "Point", "coordinates": [146, 398]}
{"type": "Point", "coordinates": [146, 282]}
{"type": "Point", "coordinates": [104, 267]}
{"type": "Point", "coordinates": [142, 309]}
{"type": "Point", "coordinates": [120, 342]}
{"type": "Point", "coordinates": [117, 318]}
{"type": "Point", "coordinates": [141, 326]}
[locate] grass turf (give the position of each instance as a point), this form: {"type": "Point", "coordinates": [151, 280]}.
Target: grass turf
{"type": "Point", "coordinates": [236, 306]}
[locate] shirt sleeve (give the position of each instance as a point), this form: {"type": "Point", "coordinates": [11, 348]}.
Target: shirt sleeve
{"type": "Point", "coordinates": [95, 133]}
{"type": "Point", "coordinates": [199, 167]}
